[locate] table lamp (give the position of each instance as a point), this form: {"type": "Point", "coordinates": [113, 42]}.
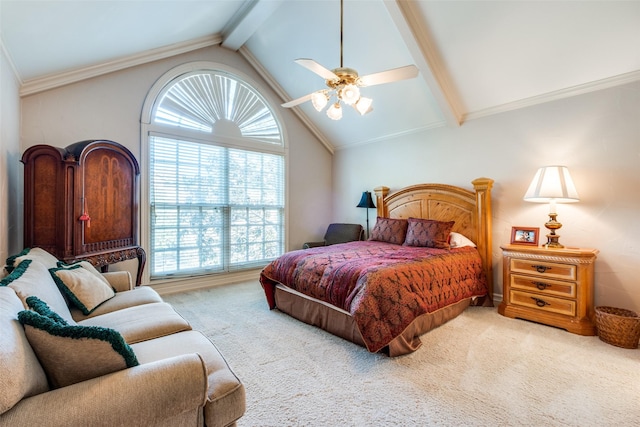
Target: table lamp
{"type": "Point", "coordinates": [552, 184]}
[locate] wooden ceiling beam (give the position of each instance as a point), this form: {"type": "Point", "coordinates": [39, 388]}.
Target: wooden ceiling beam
{"type": "Point", "coordinates": [416, 35]}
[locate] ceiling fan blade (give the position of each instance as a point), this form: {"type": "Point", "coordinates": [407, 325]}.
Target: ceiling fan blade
{"type": "Point", "coordinates": [312, 65]}
{"type": "Point", "coordinates": [402, 73]}
{"type": "Point", "coordinates": [297, 101]}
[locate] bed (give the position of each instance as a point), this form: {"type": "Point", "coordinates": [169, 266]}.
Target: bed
{"type": "Point", "coordinates": [384, 293]}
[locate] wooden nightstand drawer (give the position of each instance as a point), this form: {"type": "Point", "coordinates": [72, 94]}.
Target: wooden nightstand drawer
{"type": "Point", "coordinates": [549, 286]}
{"type": "Point", "coordinates": [544, 285]}
{"type": "Point", "coordinates": [549, 269]}
{"type": "Point", "coordinates": [544, 302]}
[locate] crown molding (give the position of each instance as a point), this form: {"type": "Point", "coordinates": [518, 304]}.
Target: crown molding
{"type": "Point", "coordinates": [246, 54]}
{"type": "Point", "coordinates": [9, 60]}
{"type": "Point", "coordinates": [52, 81]}
{"type": "Point", "coordinates": [594, 86]}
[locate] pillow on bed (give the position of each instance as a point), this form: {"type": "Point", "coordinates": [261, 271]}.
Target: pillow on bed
{"type": "Point", "coordinates": [389, 230]}
{"type": "Point", "coordinates": [457, 240]}
{"type": "Point", "coordinates": [428, 233]}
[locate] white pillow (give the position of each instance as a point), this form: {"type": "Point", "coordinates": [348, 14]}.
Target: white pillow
{"type": "Point", "coordinates": [82, 287]}
{"type": "Point", "coordinates": [457, 240]}
{"type": "Point", "coordinates": [37, 254]}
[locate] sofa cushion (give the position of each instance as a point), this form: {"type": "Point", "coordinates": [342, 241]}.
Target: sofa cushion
{"type": "Point", "coordinates": [83, 288]}
{"type": "Point", "coordinates": [37, 254]}
{"type": "Point", "coordinates": [31, 277]}
{"type": "Point", "coordinates": [21, 375]}
{"type": "Point", "coordinates": [226, 393]}
{"type": "Point", "coordinates": [142, 322]}
{"type": "Point", "coordinates": [138, 296]}
{"type": "Point", "coordinates": [70, 353]}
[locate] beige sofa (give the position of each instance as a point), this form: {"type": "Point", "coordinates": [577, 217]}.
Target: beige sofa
{"type": "Point", "coordinates": [131, 360]}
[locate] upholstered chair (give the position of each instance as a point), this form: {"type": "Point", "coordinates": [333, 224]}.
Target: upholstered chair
{"type": "Point", "coordinates": [338, 233]}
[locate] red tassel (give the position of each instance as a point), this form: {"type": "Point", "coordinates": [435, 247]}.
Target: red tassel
{"type": "Point", "coordinates": [85, 217]}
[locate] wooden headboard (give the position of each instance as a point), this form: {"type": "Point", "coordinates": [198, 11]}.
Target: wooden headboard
{"type": "Point", "coordinates": [471, 211]}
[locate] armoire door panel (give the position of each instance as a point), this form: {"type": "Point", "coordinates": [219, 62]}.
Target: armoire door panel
{"type": "Point", "coordinates": [81, 202]}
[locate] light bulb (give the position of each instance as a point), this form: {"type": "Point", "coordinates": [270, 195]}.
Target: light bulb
{"type": "Point", "coordinates": [350, 94]}
{"type": "Point", "coordinates": [335, 111]}
{"type": "Point", "coordinates": [319, 100]}
{"type": "Point", "coordinates": [363, 106]}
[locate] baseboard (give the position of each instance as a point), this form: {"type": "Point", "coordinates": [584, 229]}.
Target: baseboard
{"type": "Point", "coordinates": [173, 286]}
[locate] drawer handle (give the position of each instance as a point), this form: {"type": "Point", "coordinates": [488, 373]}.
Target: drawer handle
{"type": "Point", "coordinates": [542, 286]}
{"type": "Point", "coordinates": [540, 302]}
{"type": "Point", "coordinates": [541, 268]}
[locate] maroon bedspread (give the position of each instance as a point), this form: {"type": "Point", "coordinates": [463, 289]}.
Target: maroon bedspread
{"type": "Point", "coordinates": [384, 286]}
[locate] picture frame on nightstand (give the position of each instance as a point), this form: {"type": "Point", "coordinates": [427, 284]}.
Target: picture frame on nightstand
{"type": "Point", "coordinates": [525, 236]}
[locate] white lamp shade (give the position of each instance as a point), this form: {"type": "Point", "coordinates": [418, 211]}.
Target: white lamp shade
{"type": "Point", "coordinates": [350, 94]}
{"type": "Point", "coordinates": [552, 184]}
{"type": "Point", "coordinates": [363, 106]}
{"type": "Point", "coordinates": [319, 100]}
{"type": "Point", "coordinates": [335, 111]}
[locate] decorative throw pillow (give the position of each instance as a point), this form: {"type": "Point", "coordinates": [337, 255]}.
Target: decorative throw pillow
{"type": "Point", "coordinates": [69, 353]}
{"type": "Point", "coordinates": [428, 233]}
{"type": "Point", "coordinates": [41, 307]}
{"type": "Point", "coordinates": [81, 287]}
{"type": "Point", "coordinates": [87, 266]}
{"type": "Point", "coordinates": [457, 240]}
{"type": "Point", "coordinates": [32, 278]}
{"type": "Point", "coordinates": [36, 254]}
{"type": "Point", "coordinates": [389, 230]}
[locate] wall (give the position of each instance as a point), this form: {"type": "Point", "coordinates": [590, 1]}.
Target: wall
{"type": "Point", "coordinates": [10, 153]}
{"type": "Point", "coordinates": [109, 107]}
{"type": "Point", "coordinates": [597, 135]}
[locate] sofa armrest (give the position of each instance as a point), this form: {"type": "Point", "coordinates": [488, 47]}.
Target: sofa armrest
{"type": "Point", "coordinates": [308, 245]}
{"type": "Point", "coordinates": [120, 280]}
{"type": "Point", "coordinates": [143, 395]}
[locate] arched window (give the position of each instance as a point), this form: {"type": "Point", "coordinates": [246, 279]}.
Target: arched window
{"type": "Point", "coordinates": [216, 176]}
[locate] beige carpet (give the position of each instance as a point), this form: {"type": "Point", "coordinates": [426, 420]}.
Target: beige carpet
{"type": "Point", "coordinates": [480, 369]}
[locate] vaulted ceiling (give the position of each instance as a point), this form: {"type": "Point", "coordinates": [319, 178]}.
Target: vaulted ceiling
{"type": "Point", "coordinates": [475, 58]}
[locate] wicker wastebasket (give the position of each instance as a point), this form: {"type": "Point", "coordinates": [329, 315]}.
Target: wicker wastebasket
{"type": "Point", "coordinates": [618, 326]}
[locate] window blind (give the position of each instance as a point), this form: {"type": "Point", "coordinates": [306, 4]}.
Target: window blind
{"type": "Point", "coordinates": [213, 208]}
{"type": "Point", "coordinates": [216, 202]}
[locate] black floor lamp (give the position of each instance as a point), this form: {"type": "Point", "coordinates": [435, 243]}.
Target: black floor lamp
{"type": "Point", "coordinates": [366, 202]}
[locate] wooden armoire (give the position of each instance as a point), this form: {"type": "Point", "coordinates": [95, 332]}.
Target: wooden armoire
{"type": "Point", "coordinates": [81, 202]}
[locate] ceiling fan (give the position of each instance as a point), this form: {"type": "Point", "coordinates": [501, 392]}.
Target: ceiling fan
{"type": "Point", "coordinates": [344, 83]}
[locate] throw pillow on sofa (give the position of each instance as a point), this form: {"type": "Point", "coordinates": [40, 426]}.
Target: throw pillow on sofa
{"type": "Point", "coordinates": [87, 266]}
{"type": "Point", "coordinates": [33, 278]}
{"type": "Point", "coordinates": [37, 254]}
{"type": "Point", "coordinates": [83, 288]}
{"type": "Point", "coordinates": [69, 353]}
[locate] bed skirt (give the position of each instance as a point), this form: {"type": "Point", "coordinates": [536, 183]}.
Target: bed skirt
{"type": "Point", "coordinates": [339, 322]}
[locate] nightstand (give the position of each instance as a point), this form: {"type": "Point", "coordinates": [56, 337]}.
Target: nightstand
{"type": "Point", "coordinates": [549, 286]}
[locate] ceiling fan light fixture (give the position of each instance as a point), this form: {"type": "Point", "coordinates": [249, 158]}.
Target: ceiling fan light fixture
{"type": "Point", "coordinates": [350, 94]}
{"type": "Point", "coordinates": [335, 111]}
{"type": "Point", "coordinates": [319, 99]}
{"type": "Point", "coordinates": [345, 83]}
{"type": "Point", "coordinates": [363, 106]}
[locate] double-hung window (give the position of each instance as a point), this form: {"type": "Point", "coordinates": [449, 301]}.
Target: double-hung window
{"type": "Point", "coordinates": [216, 177]}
